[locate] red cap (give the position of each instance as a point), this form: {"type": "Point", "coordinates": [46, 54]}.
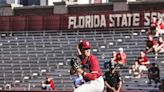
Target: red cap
{"type": "Point", "coordinates": [85, 44]}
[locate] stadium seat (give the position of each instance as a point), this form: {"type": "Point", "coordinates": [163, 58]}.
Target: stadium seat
{"type": "Point", "coordinates": [33, 54]}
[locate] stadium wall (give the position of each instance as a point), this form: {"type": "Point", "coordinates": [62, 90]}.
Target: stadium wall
{"type": "Point", "coordinates": [86, 8]}
{"type": "Point", "coordinates": [101, 20]}
{"type": "Point", "coordinates": [33, 10]}
{"type": "Point", "coordinates": [132, 6]}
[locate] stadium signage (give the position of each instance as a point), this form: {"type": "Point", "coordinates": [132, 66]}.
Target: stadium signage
{"type": "Point", "coordinates": [149, 16]}
{"type": "Point", "coordinates": [88, 21]}
{"type": "Point", "coordinates": [100, 20]}
{"type": "Point", "coordinates": [112, 20]}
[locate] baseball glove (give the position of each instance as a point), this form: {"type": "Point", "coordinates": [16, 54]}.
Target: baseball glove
{"type": "Point", "coordinates": [72, 71]}
{"type": "Point", "coordinates": [74, 64]}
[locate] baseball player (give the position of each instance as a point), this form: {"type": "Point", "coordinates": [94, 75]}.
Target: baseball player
{"type": "Point", "coordinates": [90, 70]}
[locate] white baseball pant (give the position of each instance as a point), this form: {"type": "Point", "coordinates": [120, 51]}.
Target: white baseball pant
{"type": "Point", "coordinates": [96, 85]}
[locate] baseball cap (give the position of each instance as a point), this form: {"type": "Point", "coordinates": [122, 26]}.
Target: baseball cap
{"type": "Point", "coordinates": [85, 44]}
{"type": "Point", "coordinates": [120, 49]}
{"type": "Point", "coordinates": [111, 68]}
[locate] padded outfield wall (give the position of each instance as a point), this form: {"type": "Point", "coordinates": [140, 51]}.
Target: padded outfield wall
{"type": "Point", "coordinates": [102, 20]}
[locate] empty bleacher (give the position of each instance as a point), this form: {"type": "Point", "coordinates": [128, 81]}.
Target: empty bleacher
{"type": "Point", "coordinates": [26, 57]}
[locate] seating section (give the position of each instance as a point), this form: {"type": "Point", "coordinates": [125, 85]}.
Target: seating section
{"type": "Point", "coordinates": [26, 57]}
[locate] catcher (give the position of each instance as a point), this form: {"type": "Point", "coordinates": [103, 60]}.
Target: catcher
{"type": "Point", "coordinates": [89, 69]}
